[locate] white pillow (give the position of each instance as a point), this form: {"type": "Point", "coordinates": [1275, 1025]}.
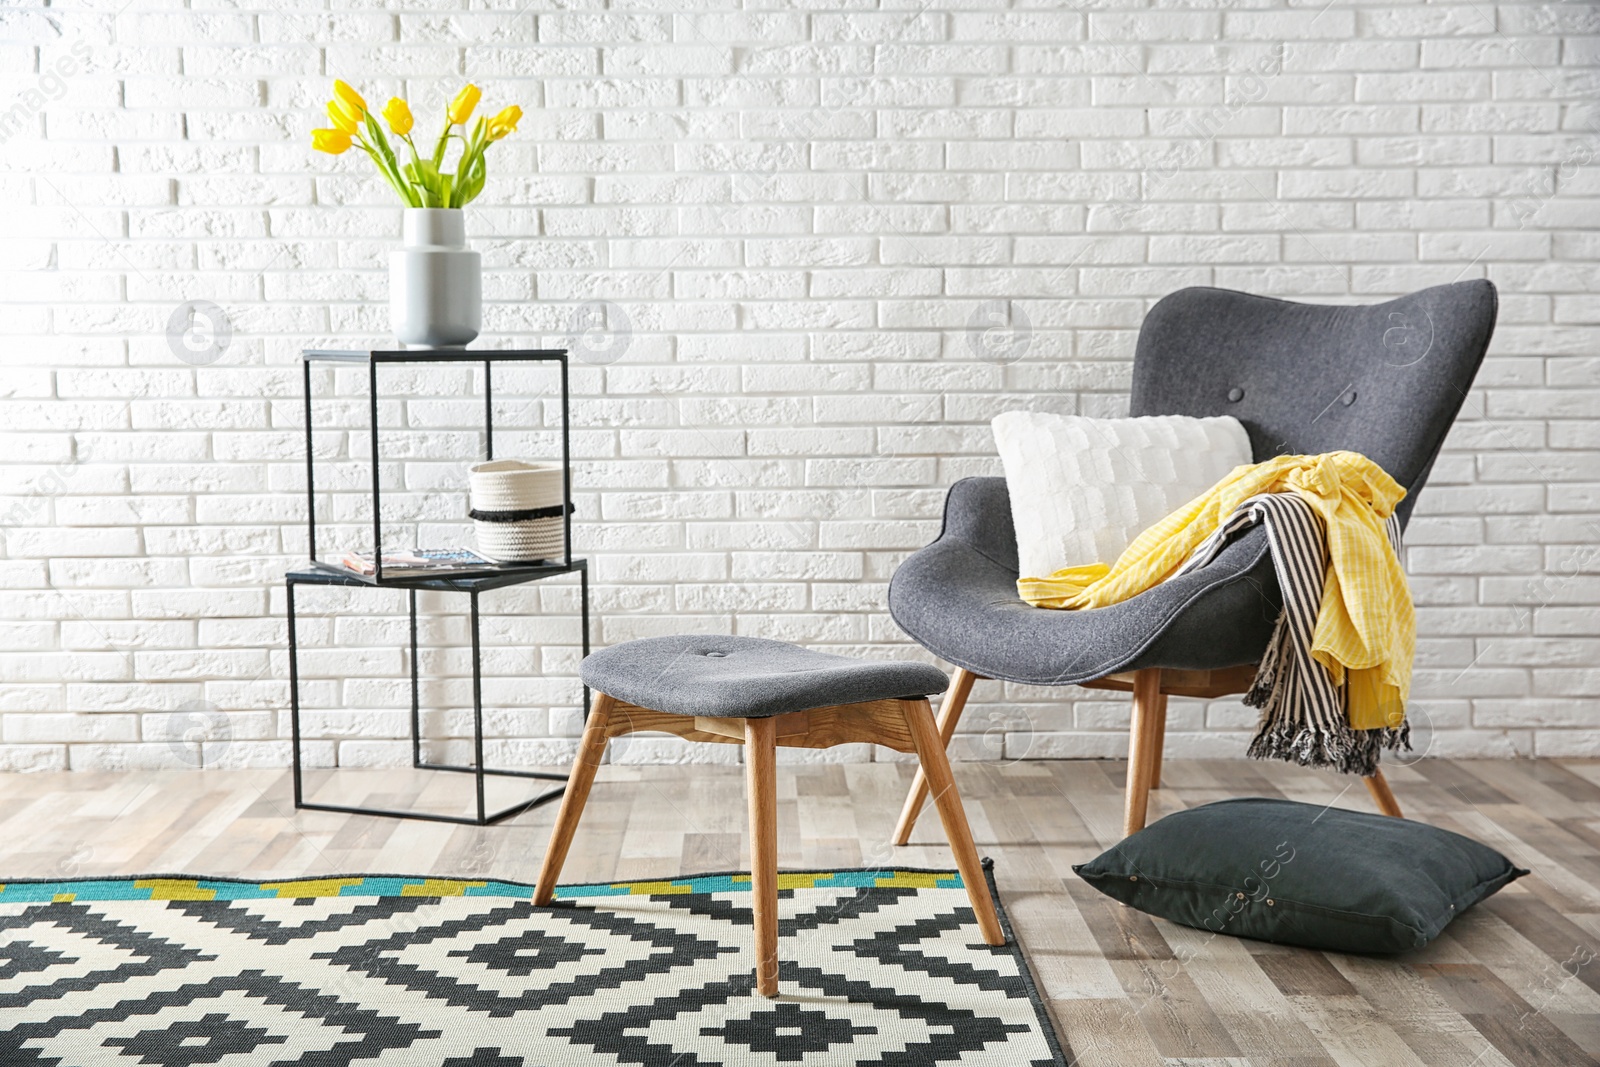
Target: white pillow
{"type": "Point", "coordinates": [1082, 489]}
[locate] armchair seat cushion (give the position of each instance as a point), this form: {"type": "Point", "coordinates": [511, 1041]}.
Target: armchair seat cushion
{"type": "Point", "coordinates": [1385, 380]}
{"type": "Point", "coordinates": [958, 599]}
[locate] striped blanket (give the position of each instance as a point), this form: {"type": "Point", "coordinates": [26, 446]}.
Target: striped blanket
{"type": "Point", "coordinates": [1303, 713]}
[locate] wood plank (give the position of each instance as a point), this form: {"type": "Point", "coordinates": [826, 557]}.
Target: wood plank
{"type": "Point", "coordinates": [1173, 1011]}
{"type": "Point", "coordinates": [1261, 1020]}
{"type": "Point", "coordinates": [1298, 973]}
{"type": "Point", "coordinates": [1509, 983]}
{"type": "Point", "coordinates": [1434, 1031]}
{"type": "Point", "coordinates": [1351, 1032]}
{"type": "Point", "coordinates": [1523, 1035]}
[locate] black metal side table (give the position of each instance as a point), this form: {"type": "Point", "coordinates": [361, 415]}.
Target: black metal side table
{"type": "Point", "coordinates": [472, 580]}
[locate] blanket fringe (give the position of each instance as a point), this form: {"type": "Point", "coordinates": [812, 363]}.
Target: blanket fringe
{"type": "Point", "coordinates": [1350, 752]}
{"type": "Point", "coordinates": [1284, 738]}
{"type": "Point", "coordinates": [1265, 691]}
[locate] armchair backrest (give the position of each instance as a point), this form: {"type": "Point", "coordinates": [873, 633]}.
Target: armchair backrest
{"type": "Point", "coordinates": [1385, 380]}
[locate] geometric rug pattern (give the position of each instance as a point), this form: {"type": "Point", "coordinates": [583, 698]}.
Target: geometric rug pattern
{"type": "Point", "coordinates": [880, 967]}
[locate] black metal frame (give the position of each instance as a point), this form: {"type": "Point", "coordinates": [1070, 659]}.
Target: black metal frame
{"type": "Point", "coordinates": [470, 580]}
{"type": "Point", "coordinates": [472, 587]}
{"type": "Point", "coordinates": [433, 355]}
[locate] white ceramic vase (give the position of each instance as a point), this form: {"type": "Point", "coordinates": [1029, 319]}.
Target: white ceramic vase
{"type": "Point", "coordinates": [435, 281]}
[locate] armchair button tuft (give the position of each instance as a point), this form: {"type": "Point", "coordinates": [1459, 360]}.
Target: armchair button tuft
{"type": "Point", "coordinates": [1235, 394]}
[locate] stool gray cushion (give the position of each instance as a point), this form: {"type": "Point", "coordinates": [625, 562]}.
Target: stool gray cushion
{"type": "Point", "coordinates": [747, 677]}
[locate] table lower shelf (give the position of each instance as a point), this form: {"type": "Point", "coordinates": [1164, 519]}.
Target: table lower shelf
{"type": "Point", "coordinates": [472, 587]}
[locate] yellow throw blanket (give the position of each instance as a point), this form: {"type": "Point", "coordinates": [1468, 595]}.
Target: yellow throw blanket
{"type": "Point", "coordinates": [1366, 631]}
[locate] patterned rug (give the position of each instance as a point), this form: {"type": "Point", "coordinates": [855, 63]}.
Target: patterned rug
{"type": "Point", "coordinates": [878, 967]}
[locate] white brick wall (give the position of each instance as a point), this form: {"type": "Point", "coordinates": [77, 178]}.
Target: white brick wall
{"type": "Point", "coordinates": [803, 218]}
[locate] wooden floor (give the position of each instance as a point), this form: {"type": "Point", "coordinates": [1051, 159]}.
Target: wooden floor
{"type": "Point", "coordinates": [1515, 981]}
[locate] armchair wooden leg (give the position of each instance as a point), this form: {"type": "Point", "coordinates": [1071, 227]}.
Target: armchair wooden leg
{"type": "Point", "coordinates": [955, 701]}
{"type": "Point", "coordinates": [1382, 795]}
{"type": "Point", "coordinates": [761, 760]}
{"type": "Point", "coordinates": [1158, 749]}
{"type": "Point", "coordinates": [936, 766]}
{"type": "Point", "coordinates": [1149, 710]}
{"type": "Point", "coordinates": [590, 751]}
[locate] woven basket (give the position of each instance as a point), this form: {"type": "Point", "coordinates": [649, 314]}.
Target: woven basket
{"type": "Point", "coordinates": [503, 493]}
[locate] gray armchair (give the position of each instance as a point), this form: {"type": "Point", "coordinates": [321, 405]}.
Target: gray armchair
{"type": "Point", "coordinates": [1385, 380]}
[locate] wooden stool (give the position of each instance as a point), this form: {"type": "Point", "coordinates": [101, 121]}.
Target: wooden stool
{"type": "Point", "coordinates": [763, 694]}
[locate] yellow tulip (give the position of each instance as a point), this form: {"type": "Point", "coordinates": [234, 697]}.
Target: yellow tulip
{"type": "Point", "coordinates": [333, 142]}
{"type": "Point", "coordinates": [460, 109]}
{"type": "Point", "coordinates": [505, 122]}
{"type": "Point", "coordinates": [340, 115]}
{"type": "Point", "coordinates": [399, 116]}
{"type": "Point", "coordinates": [350, 97]}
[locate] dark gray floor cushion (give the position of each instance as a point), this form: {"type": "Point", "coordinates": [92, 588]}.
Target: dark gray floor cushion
{"type": "Point", "coordinates": [1301, 874]}
{"type": "Point", "coordinates": [747, 677]}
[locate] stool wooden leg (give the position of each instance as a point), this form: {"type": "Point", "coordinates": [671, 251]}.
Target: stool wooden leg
{"type": "Point", "coordinates": [761, 772]}
{"type": "Point", "coordinates": [1382, 795]}
{"type": "Point", "coordinates": [936, 765]}
{"type": "Point", "coordinates": [590, 751]}
{"type": "Point", "coordinates": [1149, 707]}
{"type": "Point", "coordinates": [955, 701]}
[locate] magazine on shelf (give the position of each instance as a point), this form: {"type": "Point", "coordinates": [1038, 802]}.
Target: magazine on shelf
{"type": "Point", "coordinates": [419, 561]}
